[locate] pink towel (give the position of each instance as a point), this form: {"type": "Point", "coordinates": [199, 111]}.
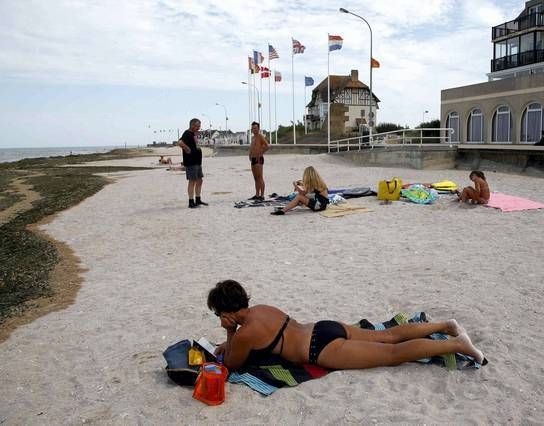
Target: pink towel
{"type": "Point", "coordinates": [508, 203]}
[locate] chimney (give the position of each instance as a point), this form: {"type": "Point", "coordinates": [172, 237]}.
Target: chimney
{"type": "Point", "coordinates": [354, 75]}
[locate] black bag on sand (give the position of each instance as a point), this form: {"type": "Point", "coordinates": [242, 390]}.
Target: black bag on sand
{"type": "Point", "coordinates": [177, 364]}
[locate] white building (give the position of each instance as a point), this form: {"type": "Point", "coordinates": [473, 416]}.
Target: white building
{"type": "Point", "coordinates": [350, 105]}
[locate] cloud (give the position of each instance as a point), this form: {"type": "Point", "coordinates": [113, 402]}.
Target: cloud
{"type": "Point", "coordinates": [204, 44]}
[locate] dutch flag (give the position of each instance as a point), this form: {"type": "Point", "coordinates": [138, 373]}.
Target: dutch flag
{"type": "Point", "coordinates": [335, 42]}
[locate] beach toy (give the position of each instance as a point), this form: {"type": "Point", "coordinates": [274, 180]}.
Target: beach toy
{"type": "Point", "coordinates": [210, 384]}
{"type": "Point", "coordinates": [445, 185]}
{"type": "Point", "coordinates": [195, 357]}
{"type": "Point", "coordinates": [420, 194]}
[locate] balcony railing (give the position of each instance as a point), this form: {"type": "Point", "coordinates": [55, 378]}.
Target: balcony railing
{"type": "Point", "coordinates": [517, 60]}
{"type": "Point", "coordinates": [523, 23]}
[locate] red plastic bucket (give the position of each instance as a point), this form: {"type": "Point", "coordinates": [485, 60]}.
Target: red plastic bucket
{"type": "Point", "coordinates": [210, 384]}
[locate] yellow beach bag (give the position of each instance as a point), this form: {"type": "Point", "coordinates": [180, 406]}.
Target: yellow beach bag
{"type": "Point", "coordinates": [389, 189]}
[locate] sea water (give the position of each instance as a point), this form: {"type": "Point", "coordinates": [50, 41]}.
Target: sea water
{"type": "Point", "coordinates": [15, 154]}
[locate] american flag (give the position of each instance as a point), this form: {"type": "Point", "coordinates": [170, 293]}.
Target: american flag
{"type": "Point", "coordinates": [277, 76]}
{"type": "Point", "coordinates": [272, 54]}
{"type": "Point", "coordinates": [297, 47]}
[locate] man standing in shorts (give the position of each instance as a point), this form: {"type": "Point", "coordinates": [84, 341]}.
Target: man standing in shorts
{"type": "Point", "coordinates": [258, 147]}
{"type": "Point", "coordinates": [192, 160]}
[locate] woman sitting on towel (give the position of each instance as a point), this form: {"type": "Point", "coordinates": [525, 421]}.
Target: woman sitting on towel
{"type": "Point", "coordinates": [480, 194]}
{"type": "Point", "coordinates": [311, 192]}
{"type": "Point", "coordinates": [255, 332]}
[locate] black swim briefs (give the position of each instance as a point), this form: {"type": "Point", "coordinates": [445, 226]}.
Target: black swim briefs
{"type": "Point", "coordinates": [257, 160]}
{"type": "Point", "coordinates": [324, 332]}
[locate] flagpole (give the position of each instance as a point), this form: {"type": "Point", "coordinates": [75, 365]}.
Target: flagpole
{"type": "Point", "coordinates": [269, 111]}
{"type": "Point", "coordinates": [293, 91]}
{"type": "Point", "coordinates": [249, 105]}
{"type": "Point", "coordinates": [253, 99]}
{"type": "Point", "coordinates": [261, 96]}
{"type": "Point", "coordinates": [305, 129]}
{"type": "Point", "coordinates": [275, 110]}
{"type": "Point", "coordinates": [328, 94]}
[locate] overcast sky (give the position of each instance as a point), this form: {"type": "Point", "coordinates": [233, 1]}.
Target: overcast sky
{"type": "Point", "coordinates": [104, 72]}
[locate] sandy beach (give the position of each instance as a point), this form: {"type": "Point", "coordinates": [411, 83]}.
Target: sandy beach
{"type": "Point", "coordinates": [149, 262]}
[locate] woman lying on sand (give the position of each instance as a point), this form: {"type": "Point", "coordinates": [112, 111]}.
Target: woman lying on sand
{"type": "Point", "coordinates": [480, 194]}
{"type": "Point", "coordinates": [311, 192]}
{"type": "Point", "coordinates": [257, 331]}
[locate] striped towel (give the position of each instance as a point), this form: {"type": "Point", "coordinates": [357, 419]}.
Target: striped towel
{"type": "Point", "coordinates": [274, 372]}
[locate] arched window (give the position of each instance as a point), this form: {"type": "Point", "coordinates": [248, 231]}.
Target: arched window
{"type": "Point", "coordinates": [502, 125]}
{"type": "Point", "coordinates": [531, 123]}
{"type": "Point", "coordinates": [453, 123]}
{"type": "Point", "coordinates": [475, 126]}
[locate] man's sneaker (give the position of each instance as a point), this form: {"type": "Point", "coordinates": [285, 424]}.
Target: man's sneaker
{"type": "Point", "coordinates": [192, 204]}
{"type": "Point", "coordinates": [200, 203]}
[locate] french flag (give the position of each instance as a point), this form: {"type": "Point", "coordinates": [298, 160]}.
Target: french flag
{"type": "Point", "coordinates": [335, 42]}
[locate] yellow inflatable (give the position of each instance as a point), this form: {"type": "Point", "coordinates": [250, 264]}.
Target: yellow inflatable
{"type": "Point", "coordinates": [445, 185]}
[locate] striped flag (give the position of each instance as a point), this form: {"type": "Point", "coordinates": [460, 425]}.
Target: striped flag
{"type": "Point", "coordinates": [272, 54]}
{"type": "Point", "coordinates": [254, 68]}
{"type": "Point", "coordinates": [258, 57]}
{"type": "Point", "coordinates": [297, 47]}
{"type": "Point", "coordinates": [335, 42]}
{"type": "Point", "coordinates": [375, 63]}
{"type": "Point", "coordinates": [265, 72]}
{"type": "Point", "coordinates": [308, 81]}
{"type": "Point", "coordinates": [277, 76]}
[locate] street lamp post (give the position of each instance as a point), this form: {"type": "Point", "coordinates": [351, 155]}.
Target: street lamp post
{"type": "Point", "coordinates": [210, 124]}
{"type": "Point", "coordinates": [370, 114]}
{"type": "Point", "coordinates": [258, 99]}
{"type": "Point", "coordinates": [424, 112]}
{"type": "Point", "coordinates": [226, 116]}
{"type": "Point", "coordinates": [258, 106]}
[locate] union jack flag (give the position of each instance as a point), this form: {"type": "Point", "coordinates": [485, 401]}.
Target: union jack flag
{"type": "Point", "coordinates": [297, 47]}
{"type": "Point", "coordinates": [277, 76]}
{"type": "Point", "coordinates": [272, 54]}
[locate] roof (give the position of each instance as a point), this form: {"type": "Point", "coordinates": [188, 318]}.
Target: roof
{"type": "Point", "coordinates": [338, 83]}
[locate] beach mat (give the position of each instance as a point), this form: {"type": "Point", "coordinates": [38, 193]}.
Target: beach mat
{"type": "Point", "coordinates": [509, 203]}
{"type": "Point", "coordinates": [353, 192]}
{"type": "Point", "coordinates": [273, 373]}
{"type": "Point", "coordinates": [342, 209]}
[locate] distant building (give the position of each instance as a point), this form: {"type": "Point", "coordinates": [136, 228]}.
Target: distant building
{"type": "Point", "coordinates": [508, 109]}
{"type": "Point", "coordinates": [350, 103]}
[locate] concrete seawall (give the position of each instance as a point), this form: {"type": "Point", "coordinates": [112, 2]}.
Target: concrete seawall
{"type": "Point", "coordinates": [525, 159]}
{"type": "Point", "coordinates": [408, 156]}
{"type": "Point", "coordinates": [234, 150]}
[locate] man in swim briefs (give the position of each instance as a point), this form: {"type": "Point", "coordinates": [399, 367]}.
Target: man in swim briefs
{"type": "Point", "coordinates": [257, 148]}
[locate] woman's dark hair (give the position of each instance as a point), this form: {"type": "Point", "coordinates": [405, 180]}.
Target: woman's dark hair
{"type": "Point", "coordinates": [478, 173]}
{"type": "Point", "coordinates": [227, 296]}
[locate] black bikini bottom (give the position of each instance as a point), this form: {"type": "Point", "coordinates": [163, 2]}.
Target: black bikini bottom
{"type": "Point", "coordinates": [323, 333]}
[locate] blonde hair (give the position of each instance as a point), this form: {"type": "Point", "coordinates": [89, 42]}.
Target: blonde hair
{"type": "Point", "coordinates": [312, 181]}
